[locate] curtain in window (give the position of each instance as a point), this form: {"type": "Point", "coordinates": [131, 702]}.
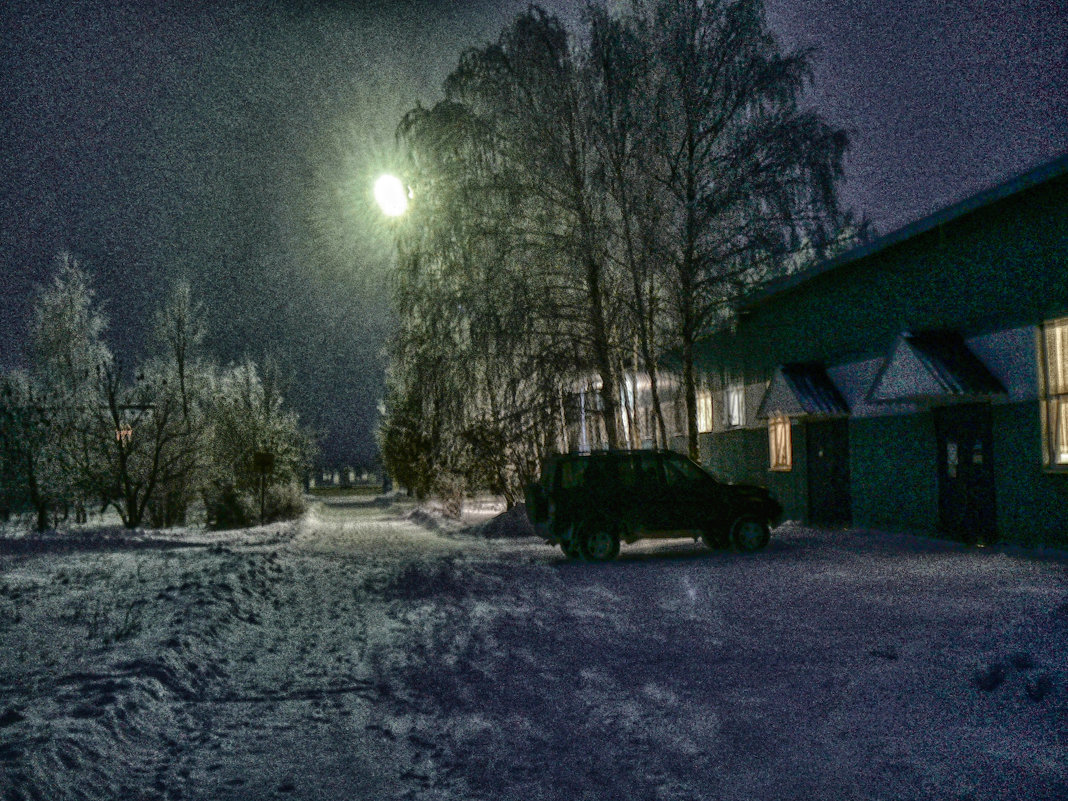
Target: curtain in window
{"type": "Point", "coordinates": [1058, 413]}
{"type": "Point", "coordinates": [1055, 391]}
{"type": "Point", "coordinates": [779, 442]}
{"type": "Point", "coordinates": [736, 405]}
{"type": "Point", "coordinates": [704, 411]}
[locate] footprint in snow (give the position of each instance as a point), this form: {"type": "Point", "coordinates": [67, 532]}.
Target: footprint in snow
{"type": "Point", "coordinates": [1021, 660]}
{"type": "Point", "coordinates": [1039, 687]}
{"type": "Point", "coordinates": [990, 677]}
{"type": "Point", "coordinates": [888, 652]}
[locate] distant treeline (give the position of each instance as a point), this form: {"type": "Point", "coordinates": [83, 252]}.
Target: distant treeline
{"type": "Point", "coordinates": [82, 430]}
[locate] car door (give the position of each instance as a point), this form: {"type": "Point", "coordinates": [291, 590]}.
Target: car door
{"type": "Point", "coordinates": [633, 496]}
{"type": "Point", "coordinates": [567, 504]}
{"type": "Point", "coordinates": [689, 494]}
{"type": "Point", "coordinates": [650, 499]}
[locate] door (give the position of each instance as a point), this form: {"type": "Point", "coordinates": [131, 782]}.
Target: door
{"type": "Point", "coordinates": [829, 499]}
{"type": "Point", "coordinates": [966, 508]}
{"type": "Point", "coordinates": [641, 489]}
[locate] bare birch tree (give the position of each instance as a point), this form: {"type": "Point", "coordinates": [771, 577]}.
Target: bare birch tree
{"type": "Point", "coordinates": [747, 172]}
{"type": "Point", "coordinates": [529, 88]}
{"type": "Point", "coordinates": [619, 75]}
{"type": "Point", "coordinates": [582, 205]}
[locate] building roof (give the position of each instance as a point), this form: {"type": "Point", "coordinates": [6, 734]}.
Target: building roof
{"type": "Point", "coordinates": [802, 389]}
{"type": "Point", "coordinates": [1034, 177]}
{"type": "Point", "coordinates": [932, 365]}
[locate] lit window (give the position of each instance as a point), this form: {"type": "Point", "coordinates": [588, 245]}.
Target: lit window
{"type": "Point", "coordinates": [704, 411]}
{"type": "Point", "coordinates": [1054, 358]}
{"type": "Point", "coordinates": [779, 442]}
{"type": "Point", "coordinates": [735, 405]}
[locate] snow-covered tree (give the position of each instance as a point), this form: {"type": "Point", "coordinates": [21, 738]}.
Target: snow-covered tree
{"type": "Point", "coordinates": [257, 452]}
{"type": "Point", "coordinates": [67, 352]}
{"type": "Point", "coordinates": [33, 468]}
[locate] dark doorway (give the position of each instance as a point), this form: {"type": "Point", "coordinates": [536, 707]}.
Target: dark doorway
{"type": "Point", "coordinates": [829, 501]}
{"type": "Point", "coordinates": [966, 509]}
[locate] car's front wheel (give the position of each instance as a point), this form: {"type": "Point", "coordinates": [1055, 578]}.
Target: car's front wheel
{"type": "Point", "coordinates": [750, 533]}
{"type": "Point", "coordinates": [571, 549]}
{"type": "Point", "coordinates": [599, 541]}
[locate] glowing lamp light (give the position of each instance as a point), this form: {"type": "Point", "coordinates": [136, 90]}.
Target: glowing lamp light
{"type": "Point", "coordinates": [391, 195]}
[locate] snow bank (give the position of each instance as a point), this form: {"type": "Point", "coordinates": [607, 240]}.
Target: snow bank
{"type": "Point", "coordinates": [480, 518]}
{"type": "Point", "coordinates": [512, 523]}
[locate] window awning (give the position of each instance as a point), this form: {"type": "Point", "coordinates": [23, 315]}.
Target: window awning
{"type": "Point", "coordinates": [935, 365]}
{"type": "Point", "coordinates": [802, 390]}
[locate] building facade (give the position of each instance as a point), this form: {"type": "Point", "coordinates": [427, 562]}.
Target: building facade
{"type": "Point", "coordinates": [919, 382]}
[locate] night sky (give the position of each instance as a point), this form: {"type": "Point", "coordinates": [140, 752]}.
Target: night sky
{"type": "Point", "coordinates": [234, 144]}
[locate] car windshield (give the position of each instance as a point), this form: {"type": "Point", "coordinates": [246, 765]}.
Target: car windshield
{"type": "Point", "coordinates": [682, 471]}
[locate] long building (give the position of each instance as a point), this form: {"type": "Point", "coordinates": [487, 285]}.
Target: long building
{"type": "Point", "coordinates": [919, 382]}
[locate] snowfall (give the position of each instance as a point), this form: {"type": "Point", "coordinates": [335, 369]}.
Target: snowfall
{"type": "Point", "coordinates": [375, 650]}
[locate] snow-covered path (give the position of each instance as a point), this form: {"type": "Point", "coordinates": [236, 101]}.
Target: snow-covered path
{"type": "Point", "coordinates": [357, 655]}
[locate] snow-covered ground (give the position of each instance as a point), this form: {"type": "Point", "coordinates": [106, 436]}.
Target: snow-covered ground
{"type": "Point", "coordinates": [370, 653]}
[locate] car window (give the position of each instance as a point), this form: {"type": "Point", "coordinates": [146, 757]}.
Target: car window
{"type": "Point", "coordinates": [629, 475]}
{"type": "Point", "coordinates": [571, 473]}
{"type": "Point", "coordinates": [680, 472]}
{"type": "Point", "coordinates": [600, 472]}
{"type": "Point", "coordinates": [649, 464]}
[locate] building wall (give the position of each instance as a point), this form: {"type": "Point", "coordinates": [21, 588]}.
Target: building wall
{"type": "Point", "coordinates": [998, 268]}
{"type": "Point", "coordinates": [893, 452]}
{"type": "Point", "coordinates": [1032, 503]}
{"type": "Point", "coordinates": [893, 471]}
{"type": "Point", "coordinates": [993, 275]}
{"type": "Point", "coordinates": [741, 456]}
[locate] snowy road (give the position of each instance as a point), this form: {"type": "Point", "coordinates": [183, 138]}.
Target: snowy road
{"type": "Point", "coordinates": [357, 655]}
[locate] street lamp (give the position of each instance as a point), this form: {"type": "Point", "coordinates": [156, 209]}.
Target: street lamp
{"type": "Point", "coordinates": [391, 195]}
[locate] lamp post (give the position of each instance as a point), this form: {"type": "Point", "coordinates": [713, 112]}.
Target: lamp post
{"type": "Point", "coordinates": [391, 195]}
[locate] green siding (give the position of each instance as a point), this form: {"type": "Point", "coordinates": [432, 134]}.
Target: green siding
{"type": "Point", "coordinates": [741, 456]}
{"type": "Point", "coordinates": [1032, 503]}
{"type": "Point", "coordinates": [999, 267]}
{"type": "Point", "coordinates": [893, 472]}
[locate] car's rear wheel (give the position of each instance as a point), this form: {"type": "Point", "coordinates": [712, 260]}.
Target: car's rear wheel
{"type": "Point", "coordinates": [599, 541]}
{"type": "Point", "coordinates": [750, 533]}
{"type": "Point", "coordinates": [569, 544]}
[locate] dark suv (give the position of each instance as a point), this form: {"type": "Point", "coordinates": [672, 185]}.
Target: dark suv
{"type": "Point", "coordinates": [587, 503]}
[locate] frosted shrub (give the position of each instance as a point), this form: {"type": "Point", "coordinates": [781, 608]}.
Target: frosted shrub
{"type": "Point", "coordinates": [284, 502]}
{"type": "Point", "coordinates": [248, 419]}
